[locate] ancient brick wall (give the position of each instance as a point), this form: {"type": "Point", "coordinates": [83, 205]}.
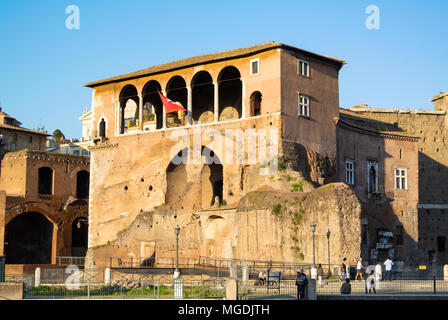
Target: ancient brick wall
{"type": "Point", "coordinates": [266, 225]}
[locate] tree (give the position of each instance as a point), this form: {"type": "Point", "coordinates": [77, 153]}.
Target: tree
{"type": "Point", "coordinates": [58, 135]}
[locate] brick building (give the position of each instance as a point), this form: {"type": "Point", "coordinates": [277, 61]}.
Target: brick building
{"type": "Point", "coordinates": [139, 193]}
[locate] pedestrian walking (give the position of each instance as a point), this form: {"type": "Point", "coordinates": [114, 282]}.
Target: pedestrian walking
{"type": "Point", "coordinates": [301, 283]}
{"type": "Point", "coordinates": [320, 274]}
{"type": "Point", "coordinates": [343, 269]}
{"type": "Point", "coordinates": [346, 287]}
{"type": "Point", "coordinates": [388, 263]}
{"type": "Point", "coordinates": [371, 282]}
{"type": "Point", "coordinates": [359, 268]}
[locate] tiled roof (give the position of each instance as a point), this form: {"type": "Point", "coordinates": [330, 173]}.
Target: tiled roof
{"type": "Point", "coordinates": [208, 58]}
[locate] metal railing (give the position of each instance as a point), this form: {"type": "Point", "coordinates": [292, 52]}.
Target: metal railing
{"type": "Point", "coordinates": [70, 261]}
{"type": "Point", "coordinates": [429, 285]}
{"type": "Point", "coordinates": [155, 289]}
{"type": "Point", "coordinates": [287, 290]}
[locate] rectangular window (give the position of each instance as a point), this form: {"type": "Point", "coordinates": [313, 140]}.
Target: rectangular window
{"type": "Point", "coordinates": [304, 68]}
{"type": "Point", "coordinates": [401, 179]}
{"type": "Point", "coordinates": [304, 106]}
{"type": "Point", "coordinates": [254, 66]}
{"type": "Point", "coordinates": [349, 172]}
{"type": "Point", "coordinates": [441, 244]}
{"type": "Point", "coordinates": [76, 152]}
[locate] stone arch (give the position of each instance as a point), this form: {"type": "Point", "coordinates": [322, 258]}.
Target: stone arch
{"type": "Point", "coordinates": [202, 97]}
{"type": "Point", "coordinates": [29, 239]}
{"type": "Point", "coordinates": [80, 231]}
{"type": "Point", "coordinates": [152, 105]}
{"type": "Point", "coordinates": [102, 127]}
{"type": "Point", "coordinates": [129, 102]}
{"type": "Point", "coordinates": [217, 237]}
{"type": "Point", "coordinates": [230, 89]}
{"type": "Point", "coordinates": [176, 177]}
{"type": "Point", "coordinates": [255, 103]}
{"type": "Point", "coordinates": [211, 178]}
{"type": "Point", "coordinates": [176, 91]}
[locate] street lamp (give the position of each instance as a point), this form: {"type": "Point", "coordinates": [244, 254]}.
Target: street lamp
{"type": "Point", "coordinates": [328, 239]}
{"type": "Point", "coordinates": [176, 272]}
{"type": "Point", "coordinates": [313, 229]}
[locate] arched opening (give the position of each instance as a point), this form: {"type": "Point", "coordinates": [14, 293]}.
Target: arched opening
{"type": "Point", "coordinates": [152, 106]}
{"type": "Point", "coordinates": [80, 232]}
{"type": "Point", "coordinates": [211, 179]}
{"type": "Point", "coordinates": [230, 94]}
{"type": "Point", "coordinates": [202, 97]}
{"type": "Point", "coordinates": [28, 239]}
{"type": "Point", "coordinates": [176, 91]}
{"type": "Point", "coordinates": [45, 181]}
{"type": "Point", "coordinates": [82, 184]}
{"type": "Point", "coordinates": [255, 103]}
{"type": "Point", "coordinates": [102, 128]}
{"type": "Point", "coordinates": [176, 177]}
{"type": "Point", "coordinates": [128, 108]}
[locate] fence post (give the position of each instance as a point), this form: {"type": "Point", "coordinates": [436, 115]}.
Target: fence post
{"type": "Point", "coordinates": [232, 289]}
{"type": "Point", "coordinates": [445, 272]}
{"type": "Point", "coordinates": [107, 276]}
{"type": "Point", "coordinates": [37, 274]}
{"type": "Point", "coordinates": [88, 289]}
{"type": "Point", "coordinates": [434, 280]}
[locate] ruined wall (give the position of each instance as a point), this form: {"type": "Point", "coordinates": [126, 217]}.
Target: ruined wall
{"type": "Point", "coordinates": [266, 224]}
{"type": "Point", "coordinates": [128, 174]}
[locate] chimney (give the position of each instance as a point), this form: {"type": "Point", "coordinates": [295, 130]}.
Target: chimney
{"type": "Point", "coordinates": [440, 101]}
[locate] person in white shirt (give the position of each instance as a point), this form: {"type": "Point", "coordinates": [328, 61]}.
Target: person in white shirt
{"type": "Point", "coordinates": [359, 268]}
{"type": "Point", "coordinates": [388, 263]}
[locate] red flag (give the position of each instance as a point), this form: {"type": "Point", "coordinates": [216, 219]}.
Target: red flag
{"type": "Point", "coordinates": [170, 106]}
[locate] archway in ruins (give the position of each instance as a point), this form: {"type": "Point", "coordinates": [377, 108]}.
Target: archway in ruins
{"type": "Point", "coordinates": [211, 179]}
{"type": "Point", "coordinates": [217, 238]}
{"type": "Point", "coordinates": [230, 94]}
{"type": "Point", "coordinates": [255, 103]}
{"type": "Point", "coordinates": [80, 231]}
{"type": "Point", "coordinates": [202, 97]}
{"type": "Point", "coordinates": [176, 177]}
{"type": "Point", "coordinates": [152, 105]}
{"type": "Point", "coordinates": [129, 102]}
{"type": "Point", "coordinates": [28, 239]}
{"type": "Point", "coordinates": [176, 91]}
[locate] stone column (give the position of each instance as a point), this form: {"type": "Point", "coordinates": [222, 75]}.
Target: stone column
{"type": "Point", "coordinates": [378, 273]}
{"type": "Point", "coordinates": [140, 113]}
{"type": "Point", "coordinates": [164, 112]}
{"type": "Point", "coordinates": [107, 276]}
{"type": "Point", "coordinates": [243, 98]}
{"type": "Point", "coordinates": [445, 272]}
{"type": "Point", "coordinates": [37, 274]}
{"type": "Point", "coordinates": [245, 273]}
{"type": "Point", "coordinates": [189, 105]}
{"type": "Point", "coordinates": [216, 102]}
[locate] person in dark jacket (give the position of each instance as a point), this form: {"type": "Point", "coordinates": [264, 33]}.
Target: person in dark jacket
{"type": "Point", "coordinates": [346, 287]}
{"type": "Point", "coordinates": [301, 283]}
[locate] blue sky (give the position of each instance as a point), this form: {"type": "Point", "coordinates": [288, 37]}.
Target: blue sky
{"type": "Point", "coordinates": [44, 66]}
